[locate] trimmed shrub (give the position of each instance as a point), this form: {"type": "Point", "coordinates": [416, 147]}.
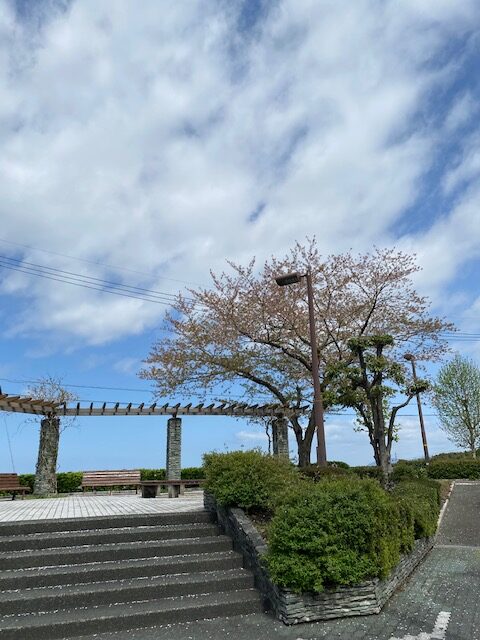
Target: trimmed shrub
{"type": "Point", "coordinates": [251, 480]}
{"type": "Point", "coordinates": [316, 473]}
{"type": "Point", "coordinates": [451, 468]}
{"type": "Point", "coordinates": [338, 463]}
{"type": "Point", "coordinates": [368, 472]}
{"type": "Point", "coordinates": [27, 480]}
{"type": "Point", "coordinates": [193, 473]}
{"type": "Point", "coordinates": [152, 474]}
{"type": "Point", "coordinates": [333, 533]}
{"type": "Point", "coordinates": [422, 498]}
{"type": "Point", "coordinates": [409, 470]}
{"type": "Point", "coordinates": [69, 481]}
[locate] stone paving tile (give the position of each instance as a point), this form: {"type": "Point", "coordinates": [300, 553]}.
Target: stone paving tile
{"type": "Point", "coordinates": [85, 506]}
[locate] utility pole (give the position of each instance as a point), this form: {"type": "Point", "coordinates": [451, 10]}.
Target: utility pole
{"type": "Point", "coordinates": [411, 358]}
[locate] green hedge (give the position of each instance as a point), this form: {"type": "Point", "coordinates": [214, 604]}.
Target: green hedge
{"type": "Point", "coordinates": [334, 533]}
{"type": "Point", "coordinates": [188, 473]}
{"type": "Point", "coordinates": [27, 480]}
{"type": "Point", "coordinates": [152, 474]}
{"type": "Point", "coordinates": [454, 468]}
{"type": "Point", "coordinates": [368, 472]}
{"type": "Point", "coordinates": [69, 481]}
{"type": "Point", "coordinates": [316, 473]}
{"type": "Point", "coordinates": [422, 498]}
{"type": "Point", "coordinates": [251, 480]}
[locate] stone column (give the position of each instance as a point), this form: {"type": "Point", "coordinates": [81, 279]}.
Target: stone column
{"type": "Point", "coordinates": [280, 438]}
{"type": "Point", "coordinates": [46, 469]}
{"type": "Point", "coordinates": [174, 452]}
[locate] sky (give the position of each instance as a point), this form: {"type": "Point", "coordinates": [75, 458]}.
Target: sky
{"type": "Point", "coordinates": [148, 143]}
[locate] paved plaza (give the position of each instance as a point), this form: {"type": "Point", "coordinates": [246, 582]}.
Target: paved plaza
{"type": "Point", "coordinates": [88, 506]}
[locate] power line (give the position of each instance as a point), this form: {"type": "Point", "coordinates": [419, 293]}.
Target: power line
{"type": "Point", "coordinates": [82, 277]}
{"type": "Point", "coordinates": [85, 286]}
{"type": "Point", "coordinates": [100, 264]}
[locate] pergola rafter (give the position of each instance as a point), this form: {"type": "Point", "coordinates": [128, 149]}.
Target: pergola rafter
{"type": "Point", "coordinates": [20, 404]}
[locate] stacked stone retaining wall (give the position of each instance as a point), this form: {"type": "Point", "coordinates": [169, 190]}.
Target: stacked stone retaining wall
{"type": "Point", "coordinates": [293, 608]}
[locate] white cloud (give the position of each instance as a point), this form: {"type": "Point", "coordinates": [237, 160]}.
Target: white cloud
{"type": "Point", "coordinates": [145, 139]}
{"type": "Point", "coordinates": [252, 436]}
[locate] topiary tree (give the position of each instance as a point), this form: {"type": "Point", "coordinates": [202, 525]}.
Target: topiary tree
{"type": "Point", "coordinates": [369, 385]}
{"type": "Point", "coordinates": [457, 400]}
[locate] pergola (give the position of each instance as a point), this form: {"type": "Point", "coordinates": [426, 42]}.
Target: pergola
{"type": "Point", "coordinates": [56, 410]}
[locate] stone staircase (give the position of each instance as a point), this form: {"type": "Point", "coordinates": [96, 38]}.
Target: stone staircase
{"type": "Point", "coordinates": [70, 578]}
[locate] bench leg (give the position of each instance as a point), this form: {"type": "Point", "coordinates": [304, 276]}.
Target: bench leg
{"type": "Point", "coordinates": [173, 490]}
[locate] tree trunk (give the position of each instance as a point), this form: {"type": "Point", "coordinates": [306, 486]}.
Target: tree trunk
{"type": "Point", "coordinates": [304, 448]}
{"type": "Point", "coordinates": [304, 440]}
{"type": "Point", "coordinates": [46, 470]}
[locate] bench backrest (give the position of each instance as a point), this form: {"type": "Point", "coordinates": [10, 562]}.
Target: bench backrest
{"type": "Point", "coordinates": [9, 481]}
{"type": "Point", "coordinates": [110, 478]}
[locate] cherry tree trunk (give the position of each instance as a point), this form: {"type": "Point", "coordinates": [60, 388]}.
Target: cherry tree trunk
{"type": "Point", "coordinates": [46, 470]}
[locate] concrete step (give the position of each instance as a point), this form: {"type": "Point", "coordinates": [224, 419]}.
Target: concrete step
{"type": "Point", "coordinates": [116, 591]}
{"type": "Point", "coordinates": [76, 622]}
{"type": "Point", "coordinates": [28, 578]}
{"type": "Point", "coordinates": [101, 522]}
{"type": "Point", "coordinates": [54, 540]}
{"type": "Point", "coordinates": [106, 552]}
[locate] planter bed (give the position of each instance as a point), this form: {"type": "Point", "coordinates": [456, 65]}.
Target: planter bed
{"type": "Point", "coordinates": [293, 608]}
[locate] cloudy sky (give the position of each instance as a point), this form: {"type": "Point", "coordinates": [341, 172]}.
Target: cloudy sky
{"type": "Point", "coordinates": [146, 143]}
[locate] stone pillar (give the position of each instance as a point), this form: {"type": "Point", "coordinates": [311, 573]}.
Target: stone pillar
{"type": "Point", "coordinates": [280, 438]}
{"type": "Point", "coordinates": [174, 452]}
{"type": "Point", "coordinates": [46, 469]}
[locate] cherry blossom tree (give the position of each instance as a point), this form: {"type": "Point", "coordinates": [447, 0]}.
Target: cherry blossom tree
{"type": "Point", "coordinates": [247, 333]}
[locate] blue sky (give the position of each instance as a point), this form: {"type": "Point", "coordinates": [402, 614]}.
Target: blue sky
{"type": "Point", "coordinates": [149, 145]}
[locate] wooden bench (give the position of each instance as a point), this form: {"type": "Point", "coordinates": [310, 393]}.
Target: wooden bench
{"type": "Point", "coordinates": [9, 482]}
{"type": "Point", "coordinates": [120, 478]}
{"type": "Point", "coordinates": [175, 487]}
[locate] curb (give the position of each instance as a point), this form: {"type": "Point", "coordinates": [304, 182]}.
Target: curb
{"type": "Point", "coordinates": [444, 507]}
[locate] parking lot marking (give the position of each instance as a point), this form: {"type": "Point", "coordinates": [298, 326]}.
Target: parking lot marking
{"type": "Point", "coordinates": [438, 632]}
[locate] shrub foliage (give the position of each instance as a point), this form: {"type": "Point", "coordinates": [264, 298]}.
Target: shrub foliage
{"type": "Point", "coordinates": [251, 480]}
{"type": "Point", "coordinates": [339, 532]}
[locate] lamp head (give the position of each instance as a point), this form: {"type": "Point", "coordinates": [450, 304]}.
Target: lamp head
{"type": "Point", "coordinates": [289, 278]}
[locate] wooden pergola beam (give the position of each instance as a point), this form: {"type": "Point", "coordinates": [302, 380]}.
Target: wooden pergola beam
{"type": "Point", "coordinates": [19, 404]}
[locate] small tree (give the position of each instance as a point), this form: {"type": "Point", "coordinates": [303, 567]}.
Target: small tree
{"type": "Point", "coordinates": [457, 400]}
{"type": "Point", "coordinates": [50, 390]}
{"type": "Point", "coordinates": [370, 385]}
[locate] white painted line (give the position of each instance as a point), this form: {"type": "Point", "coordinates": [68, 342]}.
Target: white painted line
{"type": "Point", "coordinates": [438, 632]}
{"type": "Point", "coordinates": [443, 509]}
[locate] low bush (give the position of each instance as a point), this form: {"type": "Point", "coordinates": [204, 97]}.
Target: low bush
{"type": "Point", "coordinates": [316, 473]}
{"type": "Point", "coordinates": [251, 480]}
{"type": "Point", "coordinates": [409, 470]}
{"type": "Point", "coordinates": [69, 481]}
{"type": "Point", "coordinates": [338, 463]}
{"type": "Point", "coordinates": [193, 473]}
{"type": "Point", "coordinates": [152, 474]}
{"type": "Point", "coordinates": [340, 532]}
{"type": "Point", "coordinates": [422, 499]}
{"type": "Point", "coordinates": [27, 480]}
{"type": "Point", "coordinates": [452, 468]}
{"type": "Point", "coordinates": [368, 472]}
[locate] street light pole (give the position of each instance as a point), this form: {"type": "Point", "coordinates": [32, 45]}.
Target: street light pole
{"type": "Point", "coordinates": [411, 358]}
{"type": "Point", "coordinates": [282, 281]}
